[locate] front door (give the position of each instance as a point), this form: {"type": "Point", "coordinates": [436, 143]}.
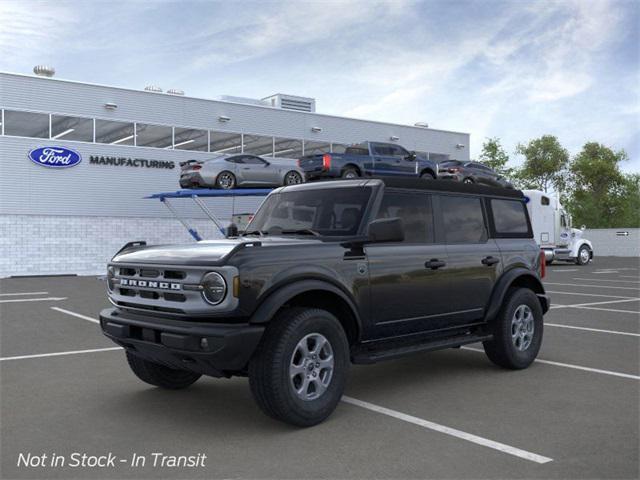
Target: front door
{"type": "Point", "coordinates": [408, 280]}
{"type": "Point", "coordinates": [255, 170]}
{"type": "Point", "coordinates": [474, 262]}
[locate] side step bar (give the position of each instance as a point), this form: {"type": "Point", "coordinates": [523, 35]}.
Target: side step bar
{"type": "Point", "coordinates": [381, 352]}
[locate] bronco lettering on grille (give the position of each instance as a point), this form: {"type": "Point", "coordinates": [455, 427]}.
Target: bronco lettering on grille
{"type": "Point", "coordinates": [129, 282]}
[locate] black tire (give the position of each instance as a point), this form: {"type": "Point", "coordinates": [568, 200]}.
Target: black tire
{"type": "Point", "coordinates": [269, 378]}
{"type": "Point", "coordinates": [548, 262]}
{"type": "Point", "coordinates": [584, 255]}
{"type": "Point", "coordinates": [350, 173]}
{"type": "Point", "coordinates": [427, 176]}
{"type": "Point", "coordinates": [501, 350]}
{"type": "Point", "coordinates": [225, 180]}
{"type": "Point", "coordinates": [159, 375]}
{"type": "Point", "coordinates": [292, 178]}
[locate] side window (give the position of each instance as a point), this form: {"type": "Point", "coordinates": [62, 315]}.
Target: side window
{"type": "Point", "coordinates": [235, 160]}
{"type": "Point", "coordinates": [252, 160]}
{"type": "Point", "coordinates": [463, 219]}
{"type": "Point", "coordinates": [414, 210]}
{"type": "Point", "coordinates": [509, 217]}
{"type": "Point", "coordinates": [544, 201]}
{"type": "Point", "coordinates": [381, 149]}
{"type": "Point", "coordinates": [398, 151]}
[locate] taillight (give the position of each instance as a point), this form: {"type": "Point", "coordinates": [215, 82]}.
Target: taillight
{"type": "Point", "coordinates": [326, 161]}
{"type": "Point", "coordinates": [453, 170]}
{"type": "Point", "coordinates": [299, 162]}
{"type": "Point", "coordinates": [196, 167]}
{"type": "Point", "coordinates": [543, 264]}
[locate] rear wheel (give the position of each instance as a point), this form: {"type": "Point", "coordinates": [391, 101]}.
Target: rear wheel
{"type": "Point", "coordinates": [584, 255]}
{"type": "Point", "coordinates": [517, 330]}
{"type": "Point", "coordinates": [350, 173]}
{"type": "Point", "coordinates": [428, 176]}
{"type": "Point", "coordinates": [292, 178]}
{"type": "Point", "coordinates": [468, 180]}
{"type": "Point", "coordinates": [226, 180]}
{"type": "Point", "coordinates": [299, 370]}
{"type": "Point", "coordinates": [159, 375]}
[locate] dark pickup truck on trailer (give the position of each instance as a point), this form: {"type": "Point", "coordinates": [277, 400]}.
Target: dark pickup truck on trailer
{"type": "Point", "coordinates": [368, 159]}
{"type": "Point", "coordinates": [329, 274]}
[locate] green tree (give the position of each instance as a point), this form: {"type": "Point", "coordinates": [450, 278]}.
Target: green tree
{"type": "Point", "coordinates": [494, 156]}
{"type": "Point", "coordinates": [601, 196]}
{"type": "Point", "coordinates": [545, 164]}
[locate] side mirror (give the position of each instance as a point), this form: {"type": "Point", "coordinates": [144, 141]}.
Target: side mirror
{"type": "Point", "coordinates": [232, 230]}
{"type": "Point", "coordinates": [386, 230]}
{"type": "Point", "coordinates": [412, 156]}
{"type": "Point", "coordinates": [583, 228]}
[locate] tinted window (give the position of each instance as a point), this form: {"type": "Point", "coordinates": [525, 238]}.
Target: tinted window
{"type": "Point", "coordinates": [235, 160]}
{"type": "Point", "coordinates": [26, 124]}
{"type": "Point", "coordinates": [157, 136]}
{"type": "Point", "coordinates": [509, 216]}
{"type": "Point", "coordinates": [190, 139]}
{"type": "Point", "coordinates": [71, 128]}
{"type": "Point", "coordinates": [252, 160]}
{"type": "Point", "coordinates": [335, 212]}
{"type": "Point", "coordinates": [226, 143]}
{"type": "Point", "coordinates": [357, 151]}
{"type": "Point", "coordinates": [544, 200]}
{"type": "Point", "coordinates": [415, 212]}
{"type": "Point", "coordinates": [463, 219]}
{"type": "Point", "coordinates": [114, 133]}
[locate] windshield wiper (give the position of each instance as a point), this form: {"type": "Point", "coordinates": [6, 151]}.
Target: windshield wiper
{"type": "Point", "coordinates": [302, 231]}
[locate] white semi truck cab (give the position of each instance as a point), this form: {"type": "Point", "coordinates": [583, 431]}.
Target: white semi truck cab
{"type": "Point", "coordinates": [553, 231]}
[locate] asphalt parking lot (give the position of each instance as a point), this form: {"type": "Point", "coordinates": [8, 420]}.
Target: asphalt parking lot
{"type": "Point", "coordinates": [449, 414]}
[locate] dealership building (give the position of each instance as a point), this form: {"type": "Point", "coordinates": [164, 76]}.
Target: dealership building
{"type": "Point", "coordinates": [128, 145]}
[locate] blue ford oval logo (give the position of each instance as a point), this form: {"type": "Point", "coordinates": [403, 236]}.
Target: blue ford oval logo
{"type": "Point", "coordinates": [55, 157]}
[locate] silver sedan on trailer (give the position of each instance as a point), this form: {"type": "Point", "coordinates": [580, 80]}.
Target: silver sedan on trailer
{"type": "Point", "coordinates": [239, 170]}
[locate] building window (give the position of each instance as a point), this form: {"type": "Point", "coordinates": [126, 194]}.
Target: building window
{"type": "Point", "coordinates": [287, 148]}
{"type": "Point", "coordinates": [226, 143]}
{"type": "Point", "coordinates": [258, 145]}
{"type": "Point", "coordinates": [191, 139]}
{"type": "Point", "coordinates": [26, 124]}
{"type": "Point", "coordinates": [156, 136]}
{"type": "Point", "coordinates": [71, 128]}
{"type": "Point", "coordinates": [114, 133]}
{"type": "Point", "coordinates": [313, 148]}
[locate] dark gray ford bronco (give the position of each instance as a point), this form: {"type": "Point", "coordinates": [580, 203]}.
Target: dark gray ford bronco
{"type": "Point", "coordinates": [329, 274]}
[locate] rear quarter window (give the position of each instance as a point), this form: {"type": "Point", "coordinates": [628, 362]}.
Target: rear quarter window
{"type": "Point", "coordinates": [510, 218]}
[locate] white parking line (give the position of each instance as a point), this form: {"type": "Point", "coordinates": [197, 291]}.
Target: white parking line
{"type": "Point", "coordinates": [591, 329]}
{"type": "Point", "coordinates": [605, 272]}
{"type": "Point", "coordinates": [628, 276]}
{"type": "Point", "coordinates": [517, 452]}
{"type": "Point", "coordinates": [48, 299]}
{"type": "Point", "coordinates": [604, 280]}
{"type": "Point", "coordinates": [74, 314]}
{"type": "Point", "coordinates": [633, 312]}
{"type": "Point", "coordinates": [568, 365]}
{"type": "Point", "coordinates": [586, 294]}
{"type": "Point", "coordinates": [595, 303]}
{"type": "Point", "coordinates": [592, 286]}
{"type": "Point", "coordinates": [58, 354]}
{"type": "Point", "coordinates": [563, 270]}
{"type": "Point", "coordinates": [23, 293]}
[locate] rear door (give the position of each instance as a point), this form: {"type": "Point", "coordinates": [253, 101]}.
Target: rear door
{"type": "Point", "coordinates": [386, 160]}
{"type": "Point", "coordinates": [407, 295]}
{"type": "Point", "coordinates": [474, 259]}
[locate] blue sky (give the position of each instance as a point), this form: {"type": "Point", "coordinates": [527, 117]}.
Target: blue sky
{"type": "Point", "coordinates": [514, 70]}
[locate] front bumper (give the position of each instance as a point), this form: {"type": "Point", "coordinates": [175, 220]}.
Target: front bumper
{"type": "Point", "coordinates": [180, 344]}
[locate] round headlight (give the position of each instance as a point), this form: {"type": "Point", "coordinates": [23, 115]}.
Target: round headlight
{"type": "Point", "coordinates": [214, 288]}
{"type": "Point", "coordinates": [111, 272]}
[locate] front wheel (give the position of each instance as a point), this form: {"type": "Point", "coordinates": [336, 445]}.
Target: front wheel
{"type": "Point", "coordinates": [517, 330]}
{"type": "Point", "coordinates": [584, 255]}
{"type": "Point", "coordinates": [427, 176]}
{"type": "Point", "coordinates": [226, 180]}
{"type": "Point", "coordinates": [299, 370]}
{"type": "Point", "coordinates": [159, 375]}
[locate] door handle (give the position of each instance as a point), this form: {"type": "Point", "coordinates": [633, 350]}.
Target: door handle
{"type": "Point", "coordinates": [434, 264]}
{"type": "Point", "coordinates": [488, 261]}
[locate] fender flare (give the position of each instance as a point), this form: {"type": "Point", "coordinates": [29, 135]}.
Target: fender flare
{"type": "Point", "coordinates": [430, 171]}
{"type": "Point", "coordinates": [280, 295]}
{"type": "Point", "coordinates": [502, 286]}
{"type": "Point", "coordinates": [580, 243]}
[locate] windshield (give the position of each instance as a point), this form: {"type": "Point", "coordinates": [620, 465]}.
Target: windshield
{"type": "Point", "coordinates": [335, 212]}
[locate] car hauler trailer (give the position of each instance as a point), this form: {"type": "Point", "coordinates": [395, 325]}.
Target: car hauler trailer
{"type": "Point", "coordinates": [553, 231]}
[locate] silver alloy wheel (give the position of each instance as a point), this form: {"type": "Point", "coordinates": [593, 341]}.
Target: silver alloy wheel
{"type": "Point", "coordinates": [584, 255]}
{"type": "Point", "coordinates": [522, 327]}
{"type": "Point", "coordinates": [350, 175]}
{"type": "Point", "coordinates": [468, 180]}
{"type": "Point", "coordinates": [226, 181]}
{"type": "Point", "coordinates": [311, 366]}
{"type": "Point", "coordinates": [293, 178]}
